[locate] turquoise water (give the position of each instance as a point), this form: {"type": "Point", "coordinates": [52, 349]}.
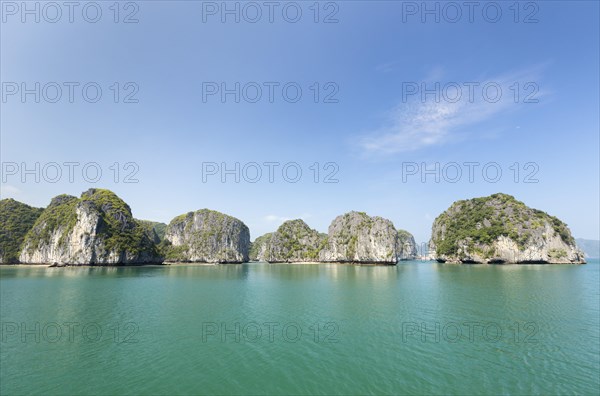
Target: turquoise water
{"type": "Point", "coordinates": [416, 328]}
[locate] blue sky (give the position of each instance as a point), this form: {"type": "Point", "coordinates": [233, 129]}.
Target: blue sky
{"type": "Point", "coordinates": [371, 58]}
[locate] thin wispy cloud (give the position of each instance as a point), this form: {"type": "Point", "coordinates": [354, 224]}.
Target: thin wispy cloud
{"type": "Point", "coordinates": [425, 121]}
{"type": "Point", "coordinates": [8, 191]}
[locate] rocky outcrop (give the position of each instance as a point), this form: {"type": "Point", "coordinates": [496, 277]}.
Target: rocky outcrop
{"type": "Point", "coordinates": [206, 236]}
{"type": "Point", "coordinates": [356, 237]}
{"type": "Point", "coordinates": [353, 237]}
{"type": "Point", "coordinates": [16, 219]}
{"type": "Point", "coordinates": [407, 247]}
{"type": "Point", "coordinates": [96, 229]}
{"type": "Point", "coordinates": [500, 229]}
{"type": "Point", "coordinates": [293, 242]}
{"type": "Point", "coordinates": [259, 247]}
{"type": "Point", "coordinates": [154, 230]}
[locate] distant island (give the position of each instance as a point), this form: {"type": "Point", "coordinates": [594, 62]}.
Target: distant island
{"type": "Point", "coordinates": [98, 228]}
{"type": "Point", "coordinates": [590, 247]}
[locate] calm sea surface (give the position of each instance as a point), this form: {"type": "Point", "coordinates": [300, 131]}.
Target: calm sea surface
{"type": "Point", "coordinates": [416, 328]}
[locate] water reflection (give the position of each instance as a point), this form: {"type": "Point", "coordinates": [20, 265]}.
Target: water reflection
{"type": "Point", "coordinates": [231, 271]}
{"type": "Point", "coordinates": [215, 272]}
{"type": "Point", "coordinates": [333, 271]}
{"type": "Point", "coordinates": [287, 272]}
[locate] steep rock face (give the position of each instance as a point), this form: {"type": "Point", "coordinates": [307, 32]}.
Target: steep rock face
{"type": "Point", "coordinates": [16, 219]}
{"type": "Point", "coordinates": [259, 247]}
{"type": "Point", "coordinates": [294, 242]}
{"type": "Point", "coordinates": [356, 237]}
{"type": "Point", "coordinates": [96, 229]}
{"type": "Point", "coordinates": [407, 248]}
{"type": "Point", "coordinates": [206, 236]}
{"type": "Point", "coordinates": [500, 229]}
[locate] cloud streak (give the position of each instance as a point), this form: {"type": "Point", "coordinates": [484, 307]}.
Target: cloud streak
{"type": "Point", "coordinates": [422, 121]}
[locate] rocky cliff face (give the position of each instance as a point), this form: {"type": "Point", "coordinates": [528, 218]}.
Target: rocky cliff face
{"type": "Point", "coordinates": [96, 229]}
{"type": "Point", "coordinates": [356, 237]}
{"type": "Point", "coordinates": [407, 247]}
{"type": "Point", "coordinates": [258, 248]}
{"type": "Point", "coordinates": [500, 229]}
{"type": "Point", "coordinates": [353, 237]}
{"type": "Point", "coordinates": [294, 242]}
{"type": "Point", "coordinates": [16, 219]}
{"type": "Point", "coordinates": [206, 236]}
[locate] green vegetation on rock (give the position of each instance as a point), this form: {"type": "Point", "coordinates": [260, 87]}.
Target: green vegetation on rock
{"type": "Point", "coordinates": [99, 212]}
{"type": "Point", "coordinates": [407, 248]}
{"type": "Point", "coordinates": [356, 237]}
{"type": "Point", "coordinates": [206, 236]}
{"type": "Point", "coordinates": [120, 230]}
{"type": "Point", "coordinates": [294, 241]}
{"type": "Point", "coordinates": [259, 245]}
{"type": "Point", "coordinates": [16, 219]}
{"type": "Point", "coordinates": [474, 226]}
{"type": "Point", "coordinates": [404, 235]}
{"type": "Point", "coordinates": [59, 215]}
{"type": "Point", "coordinates": [173, 253]}
{"type": "Point", "coordinates": [154, 230]}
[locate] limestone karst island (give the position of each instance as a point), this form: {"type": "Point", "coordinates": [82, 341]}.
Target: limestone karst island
{"type": "Point", "coordinates": [98, 228]}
